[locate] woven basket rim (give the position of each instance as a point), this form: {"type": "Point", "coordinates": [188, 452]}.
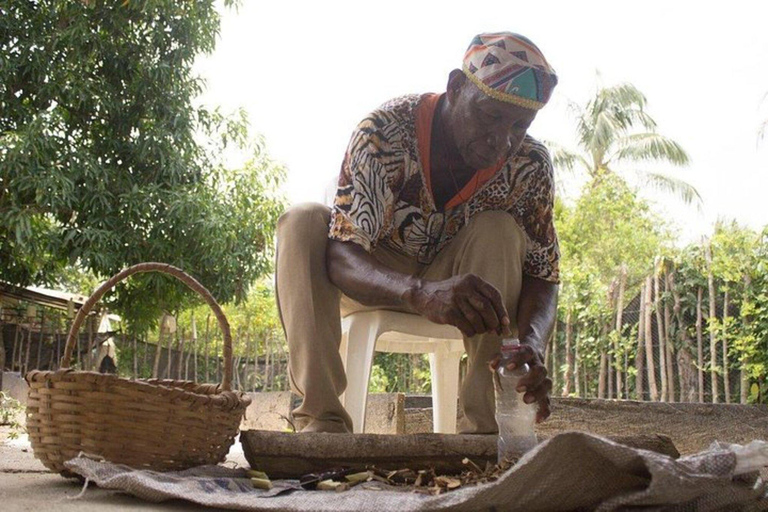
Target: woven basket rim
{"type": "Point", "coordinates": [70, 375]}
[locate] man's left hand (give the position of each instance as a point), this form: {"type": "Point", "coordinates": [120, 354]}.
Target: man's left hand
{"type": "Point", "coordinates": [535, 384]}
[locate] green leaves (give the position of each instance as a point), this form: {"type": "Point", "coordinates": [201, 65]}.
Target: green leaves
{"type": "Point", "coordinates": [614, 128]}
{"type": "Point", "coordinates": [105, 161]}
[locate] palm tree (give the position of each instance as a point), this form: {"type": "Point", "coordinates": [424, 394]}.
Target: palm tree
{"type": "Point", "coordinates": [613, 129]}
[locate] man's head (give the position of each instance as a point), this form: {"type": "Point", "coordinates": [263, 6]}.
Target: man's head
{"type": "Point", "coordinates": [491, 102]}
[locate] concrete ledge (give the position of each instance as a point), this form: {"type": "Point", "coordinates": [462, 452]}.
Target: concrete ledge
{"type": "Point", "coordinates": [15, 386]}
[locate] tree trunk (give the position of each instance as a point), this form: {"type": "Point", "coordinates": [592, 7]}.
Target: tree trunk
{"type": "Point", "coordinates": [568, 355]}
{"type": "Point", "coordinates": [700, 343]}
{"type": "Point", "coordinates": [726, 377]}
{"type": "Point", "coordinates": [603, 372]}
{"type": "Point", "coordinates": [711, 323]}
{"type": "Point", "coordinates": [639, 356]}
{"type": "Point", "coordinates": [649, 364]}
{"type": "Point", "coordinates": [618, 347]}
{"type": "Point", "coordinates": [660, 333]}
{"type": "Point", "coordinates": [668, 342]}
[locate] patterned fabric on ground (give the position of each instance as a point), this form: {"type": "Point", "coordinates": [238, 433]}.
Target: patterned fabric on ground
{"type": "Point", "coordinates": [383, 197]}
{"type": "Point", "coordinates": [571, 471]}
{"type": "Point", "coordinates": [510, 68]}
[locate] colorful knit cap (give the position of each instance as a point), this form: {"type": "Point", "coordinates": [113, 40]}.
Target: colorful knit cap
{"type": "Point", "coordinates": [510, 68]}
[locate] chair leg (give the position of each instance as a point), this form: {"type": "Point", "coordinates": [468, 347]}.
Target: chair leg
{"type": "Point", "coordinates": [444, 367]}
{"type": "Point", "coordinates": [360, 344]}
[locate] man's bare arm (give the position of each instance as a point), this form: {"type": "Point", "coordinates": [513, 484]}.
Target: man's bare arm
{"type": "Point", "coordinates": [536, 312]}
{"type": "Point", "coordinates": [467, 301]}
{"type": "Point", "coordinates": [363, 278]}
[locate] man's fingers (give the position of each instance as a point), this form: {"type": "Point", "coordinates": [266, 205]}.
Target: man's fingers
{"type": "Point", "coordinates": [534, 378]}
{"type": "Point", "coordinates": [457, 319]}
{"type": "Point", "coordinates": [494, 297]}
{"type": "Point", "coordinates": [538, 393]}
{"type": "Point", "coordinates": [523, 354]}
{"type": "Point", "coordinates": [486, 310]}
{"type": "Point", "coordinates": [545, 409]}
{"type": "Point", "coordinates": [472, 316]}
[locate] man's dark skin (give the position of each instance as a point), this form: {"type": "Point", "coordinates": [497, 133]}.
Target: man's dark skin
{"type": "Point", "coordinates": [471, 131]}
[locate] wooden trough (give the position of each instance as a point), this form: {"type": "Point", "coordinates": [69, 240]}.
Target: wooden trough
{"type": "Point", "coordinates": [291, 455]}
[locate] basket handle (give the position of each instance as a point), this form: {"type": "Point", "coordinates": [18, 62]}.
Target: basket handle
{"type": "Point", "coordinates": [226, 383]}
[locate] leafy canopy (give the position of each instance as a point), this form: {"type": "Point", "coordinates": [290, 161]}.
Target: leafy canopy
{"type": "Point", "coordinates": [106, 161]}
{"type": "Point", "coordinates": [613, 130]}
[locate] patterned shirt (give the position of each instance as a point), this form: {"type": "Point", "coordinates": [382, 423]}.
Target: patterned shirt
{"type": "Point", "coordinates": [382, 196]}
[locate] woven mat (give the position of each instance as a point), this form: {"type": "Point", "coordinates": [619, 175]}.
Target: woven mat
{"type": "Point", "coordinates": [571, 471]}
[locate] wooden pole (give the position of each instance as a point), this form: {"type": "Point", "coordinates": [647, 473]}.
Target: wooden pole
{"type": "Point", "coordinates": [16, 348]}
{"type": "Point", "coordinates": [2, 350]}
{"type": "Point", "coordinates": [660, 332]}
{"type": "Point", "coordinates": [555, 369]}
{"type": "Point", "coordinates": [640, 355]}
{"type": "Point", "coordinates": [568, 355]}
{"type": "Point", "coordinates": [158, 349]}
{"type": "Point", "coordinates": [700, 343]}
{"type": "Point", "coordinates": [649, 363]}
{"type": "Point", "coordinates": [726, 377]}
{"type": "Point", "coordinates": [194, 346]}
{"type": "Point", "coordinates": [38, 366]}
{"type": "Point", "coordinates": [711, 323]}
{"type": "Point", "coordinates": [180, 358]}
{"type": "Point", "coordinates": [618, 346]}
{"type": "Point", "coordinates": [29, 350]}
{"type": "Point", "coordinates": [135, 355]}
{"type": "Point", "coordinates": [603, 372]}
{"type": "Point", "coordinates": [55, 364]}
{"type": "Point", "coordinates": [668, 342]}
{"type": "Point", "coordinates": [576, 369]}
{"type": "Point", "coordinates": [207, 340]}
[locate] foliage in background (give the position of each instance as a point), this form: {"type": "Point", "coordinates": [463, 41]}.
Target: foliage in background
{"type": "Point", "coordinates": [615, 134]}
{"type": "Point", "coordinates": [105, 161]}
{"type": "Point", "coordinates": [10, 409]}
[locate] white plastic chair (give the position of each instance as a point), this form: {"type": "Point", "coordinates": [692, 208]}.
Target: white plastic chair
{"type": "Point", "coordinates": [391, 331]}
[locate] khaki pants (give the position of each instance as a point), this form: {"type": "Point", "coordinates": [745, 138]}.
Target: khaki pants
{"type": "Point", "coordinates": [491, 246]}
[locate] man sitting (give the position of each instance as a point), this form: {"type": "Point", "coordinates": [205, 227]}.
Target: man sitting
{"type": "Point", "coordinates": [443, 209]}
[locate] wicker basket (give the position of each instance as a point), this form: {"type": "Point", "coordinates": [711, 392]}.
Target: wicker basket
{"type": "Point", "coordinates": [152, 424]}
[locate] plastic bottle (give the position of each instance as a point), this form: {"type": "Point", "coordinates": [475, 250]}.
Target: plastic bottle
{"type": "Point", "coordinates": [515, 418]}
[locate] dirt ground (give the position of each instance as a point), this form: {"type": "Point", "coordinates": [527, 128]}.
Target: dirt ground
{"type": "Point", "coordinates": [692, 427]}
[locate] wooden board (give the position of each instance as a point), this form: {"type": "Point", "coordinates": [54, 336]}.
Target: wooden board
{"type": "Point", "coordinates": [291, 455]}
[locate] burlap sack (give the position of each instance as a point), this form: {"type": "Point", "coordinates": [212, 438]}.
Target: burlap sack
{"type": "Point", "coordinates": [571, 471]}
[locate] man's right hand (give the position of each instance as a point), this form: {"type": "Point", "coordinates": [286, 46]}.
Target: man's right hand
{"type": "Point", "coordinates": [466, 301]}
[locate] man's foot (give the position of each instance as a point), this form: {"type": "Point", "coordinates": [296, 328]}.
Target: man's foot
{"type": "Point", "coordinates": [327, 426]}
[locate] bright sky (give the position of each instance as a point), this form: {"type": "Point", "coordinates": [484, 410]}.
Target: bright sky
{"type": "Point", "coordinates": [307, 72]}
